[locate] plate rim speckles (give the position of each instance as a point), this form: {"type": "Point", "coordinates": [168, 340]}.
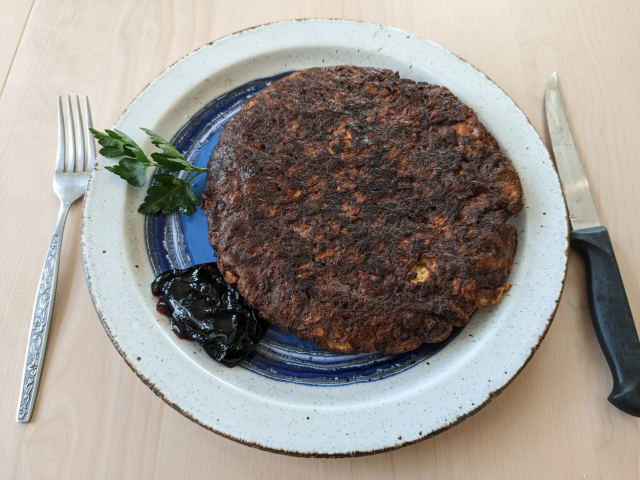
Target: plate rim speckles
{"type": "Point", "coordinates": [305, 420]}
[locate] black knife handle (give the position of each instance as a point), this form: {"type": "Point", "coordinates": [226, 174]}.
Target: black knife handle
{"type": "Point", "coordinates": [611, 316]}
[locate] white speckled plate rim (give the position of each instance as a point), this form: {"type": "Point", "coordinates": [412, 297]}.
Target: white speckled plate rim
{"type": "Point", "coordinates": [307, 420]}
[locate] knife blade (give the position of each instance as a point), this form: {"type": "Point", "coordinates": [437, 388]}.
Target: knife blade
{"type": "Point", "coordinates": [610, 311]}
{"type": "Point", "coordinates": [582, 210]}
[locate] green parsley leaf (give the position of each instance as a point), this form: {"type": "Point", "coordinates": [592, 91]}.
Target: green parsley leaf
{"type": "Point", "coordinates": [172, 164]}
{"type": "Point", "coordinates": [134, 172]}
{"type": "Point", "coordinates": [133, 165]}
{"type": "Point", "coordinates": [170, 195]}
{"type": "Point", "coordinates": [137, 154]}
{"type": "Point", "coordinates": [122, 137]}
{"type": "Point", "coordinates": [162, 144]}
{"type": "Point", "coordinates": [112, 146]}
{"type": "Point", "coordinates": [112, 152]}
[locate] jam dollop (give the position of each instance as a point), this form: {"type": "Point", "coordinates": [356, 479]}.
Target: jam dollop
{"type": "Point", "coordinates": [206, 309]}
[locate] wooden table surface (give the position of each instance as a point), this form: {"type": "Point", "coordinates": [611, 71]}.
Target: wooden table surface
{"type": "Point", "coordinates": [95, 419]}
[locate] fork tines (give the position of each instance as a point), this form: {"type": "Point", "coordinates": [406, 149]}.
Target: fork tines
{"type": "Point", "coordinates": [75, 160]}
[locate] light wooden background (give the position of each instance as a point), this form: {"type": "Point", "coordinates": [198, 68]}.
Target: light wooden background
{"type": "Point", "coordinates": [95, 419]}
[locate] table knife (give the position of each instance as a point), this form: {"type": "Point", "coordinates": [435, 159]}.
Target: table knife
{"type": "Point", "coordinates": [608, 304]}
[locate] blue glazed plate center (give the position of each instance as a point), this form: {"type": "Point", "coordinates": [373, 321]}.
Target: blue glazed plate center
{"type": "Point", "coordinates": [177, 241]}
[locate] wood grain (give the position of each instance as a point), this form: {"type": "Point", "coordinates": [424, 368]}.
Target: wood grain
{"type": "Point", "coordinates": [95, 419]}
{"type": "Point", "coordinates": [17, 14]}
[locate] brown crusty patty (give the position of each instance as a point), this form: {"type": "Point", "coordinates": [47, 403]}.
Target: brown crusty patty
{"type": "Point", "coordinates": [361, 211]}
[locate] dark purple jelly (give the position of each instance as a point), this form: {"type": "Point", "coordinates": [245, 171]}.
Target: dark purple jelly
{"type": "Point", "coordinates": [205, 308]}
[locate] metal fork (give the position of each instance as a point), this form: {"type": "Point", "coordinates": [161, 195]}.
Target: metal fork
{"type": "Point", "coordinates": [69, 183]}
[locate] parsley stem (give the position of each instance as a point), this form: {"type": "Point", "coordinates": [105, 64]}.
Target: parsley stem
{"type": "Point", "coordinates": [200, 170]}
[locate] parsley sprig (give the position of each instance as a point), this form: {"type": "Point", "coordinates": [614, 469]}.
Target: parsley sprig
{"type": "Point", "coordinates": [171, 193]}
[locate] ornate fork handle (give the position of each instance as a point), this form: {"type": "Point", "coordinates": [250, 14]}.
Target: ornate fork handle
{"type": "Point", "coordinates": [41, 320]}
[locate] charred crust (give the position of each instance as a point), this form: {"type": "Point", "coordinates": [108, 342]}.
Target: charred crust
{"type": "Point", "coordinates": [361, 211]}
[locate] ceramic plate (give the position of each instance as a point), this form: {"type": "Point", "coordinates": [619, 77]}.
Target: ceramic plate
{"type": "Point", "coordinates": [288, 396]}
